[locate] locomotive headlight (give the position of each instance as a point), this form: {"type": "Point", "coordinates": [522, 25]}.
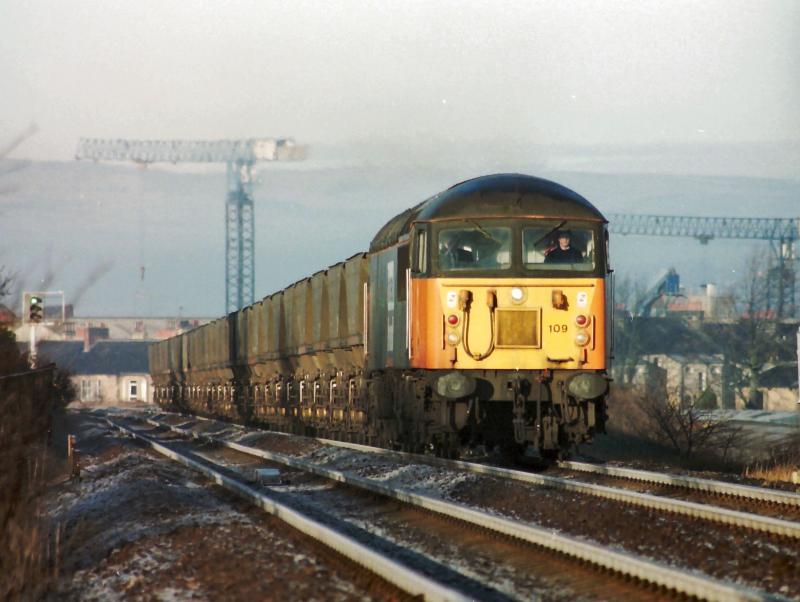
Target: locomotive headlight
{"type": "Point", "coordinates": [453, 338]}
{"type": "Point", "coordinates": [452, 319]}
{"type": "Point", "coordinates": [587, 385]}
{"type": "Point", "coordinates": [582, 338]}
{"type": "Point", "coordinates": [582, 320]}
{"type": "Point", "coordinates": [517, 295]}
{"type": "Point", "coordinates": [454, 385]}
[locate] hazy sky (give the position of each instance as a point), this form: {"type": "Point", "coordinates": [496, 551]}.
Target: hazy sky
{"type": "Point", "coordinates": [556, 72]}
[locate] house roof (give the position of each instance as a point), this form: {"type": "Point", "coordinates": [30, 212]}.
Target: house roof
{"type": "Point", "coordinates": [691, 358]}
{"type": "Point", "coordinates": [685, 305]}
{"type": "Point", "coordinates": [672, 336]}
{"type": "Point", "coordinates": [6, 315]}
{"type": "Point", "coordinates": [780, 376]}
{"type": "Point", "coordinates": [105, 357]}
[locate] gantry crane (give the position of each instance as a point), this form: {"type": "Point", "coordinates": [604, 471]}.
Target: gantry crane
{"type": "Point", "coordinates": [782, 233]}
{"type": "Point", "coordinates": [240, 156]}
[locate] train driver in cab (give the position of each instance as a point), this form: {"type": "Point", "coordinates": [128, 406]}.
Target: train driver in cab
{"type": "Point", "coordinates": [563, 252]}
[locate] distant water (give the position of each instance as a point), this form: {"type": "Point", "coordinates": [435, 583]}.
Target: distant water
{"type": "Point", "coordinates": [60, 221]}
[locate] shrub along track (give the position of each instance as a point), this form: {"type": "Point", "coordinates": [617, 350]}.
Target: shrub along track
{"type": "Point", "coordinates": [685, 581]}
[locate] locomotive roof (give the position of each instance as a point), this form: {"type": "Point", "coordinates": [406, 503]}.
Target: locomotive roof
{"type": "Point", "coordinates": [494, 196]}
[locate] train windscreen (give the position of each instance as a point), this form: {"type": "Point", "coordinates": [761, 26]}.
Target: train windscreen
{"type": "Point", "coordinates": [475, 247]}
{"type": "Point", "coordinates": [558, 246]}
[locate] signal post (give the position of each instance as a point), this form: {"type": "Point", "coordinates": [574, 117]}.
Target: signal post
{"type": "Point", "coordinates": [33, 313]}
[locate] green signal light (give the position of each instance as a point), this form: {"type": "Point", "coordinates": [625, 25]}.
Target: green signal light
{"type": "Point", "coordinates": [35, 309]}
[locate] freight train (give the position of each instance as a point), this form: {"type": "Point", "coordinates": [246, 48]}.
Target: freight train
{"type": "Point", "coordinates": [478, 317]}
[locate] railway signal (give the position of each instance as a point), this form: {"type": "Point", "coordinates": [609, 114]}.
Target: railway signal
{"type": "Point", "coordinates": [35, 309]}
{"type": "Point", "coordinates": [33, 314]}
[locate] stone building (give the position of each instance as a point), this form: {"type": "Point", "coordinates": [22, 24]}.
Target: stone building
{"type": "Point", "coordinates": [779, 388]}
{"type": "Point", "coordinates": [686, 378]}
{"type": "Point", "coordinates": [108, 372]}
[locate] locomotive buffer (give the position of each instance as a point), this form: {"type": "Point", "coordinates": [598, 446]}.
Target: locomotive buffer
{"type": "Point", "coordinates": [240, 157]}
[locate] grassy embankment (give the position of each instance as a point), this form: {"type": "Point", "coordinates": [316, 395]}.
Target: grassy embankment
{"type": "Point", "coordinates": [29, 544]}
{"type": "Point", "coordinates": [650, 432]}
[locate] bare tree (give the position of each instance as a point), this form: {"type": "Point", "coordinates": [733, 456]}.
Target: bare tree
{"type": "Point", "coordinates": [16, 141]}
{"type": "Point", "coordinates": [689, 430]}
{"type": "Point", "coordinates": [757, 338]}
{"type": "Point", "coordinates": [7, 278]}
{"type": "Point", "coordinates": [10, 359]}
{"type": "Point", "coordinates": [628, 335]}
{"type": "Point", "coordinates": [6, 281]}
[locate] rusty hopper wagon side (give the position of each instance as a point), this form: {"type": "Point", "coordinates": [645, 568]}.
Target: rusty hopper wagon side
{"type": "Point", "coordinates": [253, 364]}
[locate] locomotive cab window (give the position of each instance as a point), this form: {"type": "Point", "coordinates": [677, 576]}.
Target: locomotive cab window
{"type": "Point", "coordinates": [558, 246]}
{"type": "Point", "coordinates": [474, 247]}
{"type": "Point", "coordinates": [420, 251]}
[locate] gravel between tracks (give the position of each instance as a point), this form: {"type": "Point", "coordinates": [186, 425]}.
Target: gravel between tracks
{"type": "Point", "coordinates": [754, 559]}
{"type": "Point", "coordinates": [138, 527]}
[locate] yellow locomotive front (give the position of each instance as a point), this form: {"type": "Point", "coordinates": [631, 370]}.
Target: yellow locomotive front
{"type": "Point", "coordinates": [506, 313]}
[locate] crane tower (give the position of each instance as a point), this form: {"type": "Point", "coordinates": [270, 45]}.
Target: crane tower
{"type": "Point", "coordinates": [782, 233]}
{"type": "Point", "coordinates": [240, 156]}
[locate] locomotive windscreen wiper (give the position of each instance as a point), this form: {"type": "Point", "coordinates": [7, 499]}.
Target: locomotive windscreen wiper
{"type": "Point", "coordinates": [483, 231]}
{"type": "Point", "coordinates": [561, 223]}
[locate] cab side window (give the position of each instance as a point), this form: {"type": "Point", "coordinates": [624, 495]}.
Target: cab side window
{"type": "Point", "coordinates": [402, 266]}
{"type": "Point", "coordinates": [420, 258]}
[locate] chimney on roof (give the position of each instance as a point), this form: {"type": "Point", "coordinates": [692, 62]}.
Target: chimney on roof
{"type": "Point", "coordinates": [710, 300]}
{"type": "Point", "coordinates": [92, 334]}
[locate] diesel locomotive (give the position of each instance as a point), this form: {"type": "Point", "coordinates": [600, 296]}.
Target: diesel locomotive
{"type": "Point", "coordinates": [478, 317]}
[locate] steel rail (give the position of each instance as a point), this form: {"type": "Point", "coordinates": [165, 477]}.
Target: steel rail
{"type": "Point", "coordinates": [408, 580]}
{"type": "Point", "coordinates": [726, 516]}
{"type": "Point", "coordinates": [774, 496]}
{"type": "Point", "coordinates": [645, 570]}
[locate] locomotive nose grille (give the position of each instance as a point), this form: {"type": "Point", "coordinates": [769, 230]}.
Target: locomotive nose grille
{"type": "Point", "coordinates": [517, 328]}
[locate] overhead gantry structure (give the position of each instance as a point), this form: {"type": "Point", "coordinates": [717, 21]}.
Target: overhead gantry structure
{"type": "Point", "coordinates": [240, 156]}
{"type": "Point", "coordinates": [782, 234]}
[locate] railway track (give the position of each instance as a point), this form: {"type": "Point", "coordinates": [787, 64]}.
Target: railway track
{"type": "Point", "coordinates": [733, 517]}
{"type": "Point", "coordinates": [645, 571]}
{"type": "Point", "coordinates": [761, 494]}
{"type": "Point", "coordinates": [393, 572]}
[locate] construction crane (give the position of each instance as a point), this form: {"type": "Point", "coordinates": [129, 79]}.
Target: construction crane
{"type": "Point", "coordinates": [668, 284]}
{"type": "Point", "coordinates": [782, 233]}
{"type": "Point", "coordinates": [240, 156]}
